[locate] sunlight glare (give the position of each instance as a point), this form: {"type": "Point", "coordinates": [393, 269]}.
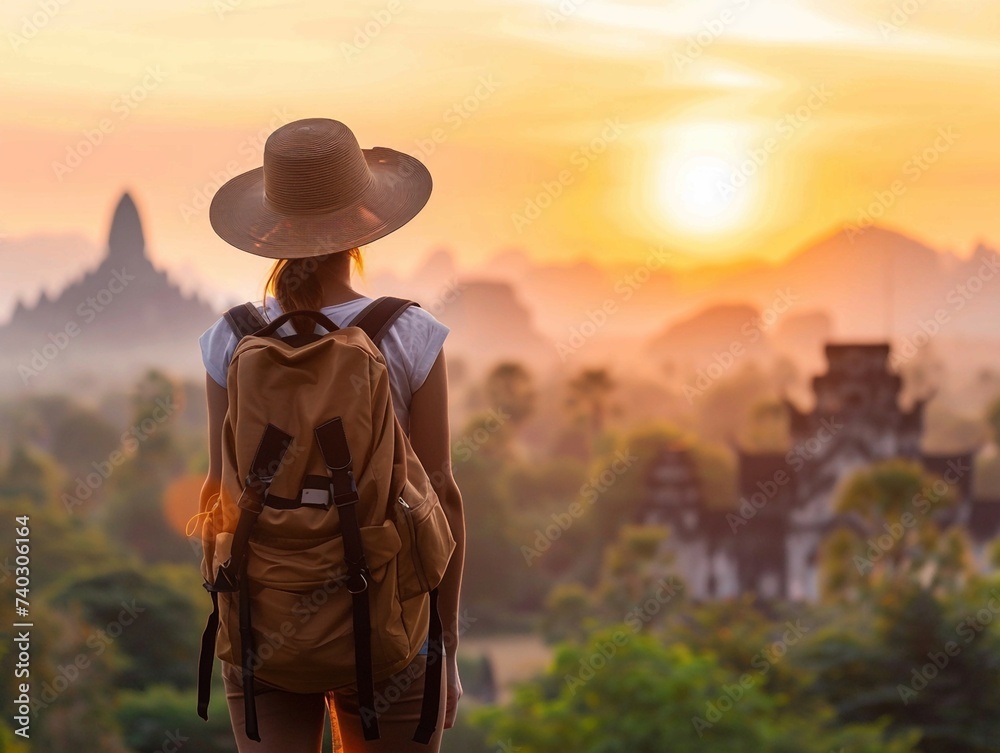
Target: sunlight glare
{"type": "Point", "coordinates": [700, 190]}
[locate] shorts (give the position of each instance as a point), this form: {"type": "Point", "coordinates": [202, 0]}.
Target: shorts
{"type": "Point", "coordinates": [294, 722]}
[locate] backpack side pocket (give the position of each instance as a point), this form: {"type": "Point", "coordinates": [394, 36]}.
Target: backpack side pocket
{"type": "Point", "coordinates": [427, 542]}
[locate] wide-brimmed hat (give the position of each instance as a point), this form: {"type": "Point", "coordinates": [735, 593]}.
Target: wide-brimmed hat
{"type": "Point", "coordinates": [318, 192]}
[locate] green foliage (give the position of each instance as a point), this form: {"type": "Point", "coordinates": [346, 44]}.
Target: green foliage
{"type": "Point", "coordinates": [624, 692]}
{"type": "Point", "coordinates": [152, 615]}
{"type": "Point", "coordinates": [28, 475]}
{"type": "Point", "coordinates": [466, 737]}
{"type": "Point", "coordinates": [478, 678]}
{"type": "Point", "coordinates": [493, 584]}
{"type": "Point", "coordinates": [134, 511]}
{"type": "Point", "coordinates": [10, 742]}
{"type": "Point", "coordinates": [926, 664]}
{"type": "Point", "coordinates": [894, 537]}
{"type": "Point", "coordinates": [153, 718]}
{"type": "Point", "coordinates": [73, 688]}
{"type": "Point", "coordinates": [746, 639]}
{"type": "Point", "coordinates": [569, 613]}
{"type": "Point", "coordinates": [634, 585]}
{"type": "Point", "coordinates": [82, 437]}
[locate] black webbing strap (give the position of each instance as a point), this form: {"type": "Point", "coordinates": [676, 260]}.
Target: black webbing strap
{"type": "Point", "coordinates": [432, 675]}
{"type": "Point", "coordinates": [245, 319]}
{"type": "Point", "coordinates": [337, 456]}
{"type": "Point", "coordinates": [232, 574]}
{"type": "Point", "coordinates": [266, 460]}
{"type": "Point", "coordinates": [376, 318]}
{"type": "Point", "coordinates": [207, 657]}
{"type": "Point", "coordinates": [247, 655]}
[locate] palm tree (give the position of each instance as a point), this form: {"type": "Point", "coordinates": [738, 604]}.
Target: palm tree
{"type": "Point", "coordinates": [510, 388]}
{"type": "Point", "coordinates": [589, 393]}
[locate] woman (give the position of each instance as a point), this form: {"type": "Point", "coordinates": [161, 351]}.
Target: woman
{"type": "Point", "coordinates": [317, 198]}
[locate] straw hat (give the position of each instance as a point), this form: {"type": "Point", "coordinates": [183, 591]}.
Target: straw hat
{"type": "Point", "coordinates": [318, 192]}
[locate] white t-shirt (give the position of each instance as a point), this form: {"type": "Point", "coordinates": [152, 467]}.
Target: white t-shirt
{"type": "Point", "coordinates": [410, 347]}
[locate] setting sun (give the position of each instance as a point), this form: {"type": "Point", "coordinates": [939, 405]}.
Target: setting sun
{"type": "Point", "coordinates": [701, 187]}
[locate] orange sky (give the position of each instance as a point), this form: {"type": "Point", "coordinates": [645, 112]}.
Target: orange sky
{"type": "Point", "coordinates": [722, 130]}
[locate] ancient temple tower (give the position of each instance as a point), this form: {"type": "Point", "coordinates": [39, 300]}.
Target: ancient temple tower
{"type": "Point", "coordinates": [769, 541]}
{"type": "Point", "coordinates": [109, 324]}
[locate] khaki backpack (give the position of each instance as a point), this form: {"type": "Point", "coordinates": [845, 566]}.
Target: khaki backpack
{"type": "Point", "coordinates": [324, 547]}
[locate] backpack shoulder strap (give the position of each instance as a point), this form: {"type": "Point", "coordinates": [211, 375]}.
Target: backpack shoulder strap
{"type": "Point", "coordinates": [245, 319]}
{"type": "Point", "coordinates": [376, 318]}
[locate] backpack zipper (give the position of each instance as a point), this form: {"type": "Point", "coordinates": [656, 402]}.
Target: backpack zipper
{"type": "Point", "coordinates": [408, 513]}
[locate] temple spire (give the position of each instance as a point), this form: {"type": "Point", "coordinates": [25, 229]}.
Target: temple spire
{"type": "Point", "coordinates": [126, 242]}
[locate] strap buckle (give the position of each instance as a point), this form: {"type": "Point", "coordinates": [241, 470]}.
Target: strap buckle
{"type": "Point", "coordinates": [364, 581]}
{"type": "Point", "coordinates": [346, 497]}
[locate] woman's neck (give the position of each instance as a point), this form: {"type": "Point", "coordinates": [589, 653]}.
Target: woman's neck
{"type": "Point", "coordinates": [338, 291]}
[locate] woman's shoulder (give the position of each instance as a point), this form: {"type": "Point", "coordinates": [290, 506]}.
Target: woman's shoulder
{"type": "Point", "coordinates": [423, 325]}
{"type": "Point", "coordinates": [421, 336]}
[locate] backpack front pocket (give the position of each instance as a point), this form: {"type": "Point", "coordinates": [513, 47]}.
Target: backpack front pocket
{"type": "Point", "coordinates": [302, 611]}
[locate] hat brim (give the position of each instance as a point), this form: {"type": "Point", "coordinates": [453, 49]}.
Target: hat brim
{"type": "Point", "coordinates": [400, 189]}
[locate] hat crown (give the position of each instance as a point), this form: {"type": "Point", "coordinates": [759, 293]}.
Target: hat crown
{"type": "Point", "coordinates": [313, 165]}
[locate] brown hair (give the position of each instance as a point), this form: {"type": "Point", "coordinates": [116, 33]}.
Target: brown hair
{"type": "Point", "coordinates": [295, 284]}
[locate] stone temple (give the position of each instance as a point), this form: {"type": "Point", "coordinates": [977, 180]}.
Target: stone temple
{"type": "Point", "coordinates": [106, 326]}
{"type": "Point", "coordinates": [768, 541]}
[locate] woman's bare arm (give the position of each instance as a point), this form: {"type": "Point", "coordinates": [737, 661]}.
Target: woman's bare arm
{"type": "Point", "coordinates": [218, 404]}
{"type": "Point", "coordinates": [430, 436]}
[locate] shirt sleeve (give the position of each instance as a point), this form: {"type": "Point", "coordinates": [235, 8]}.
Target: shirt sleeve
{"type": "Point", "coordinates": [426, 339]}
{"type": "Point", "coordinates": [218, 343]}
